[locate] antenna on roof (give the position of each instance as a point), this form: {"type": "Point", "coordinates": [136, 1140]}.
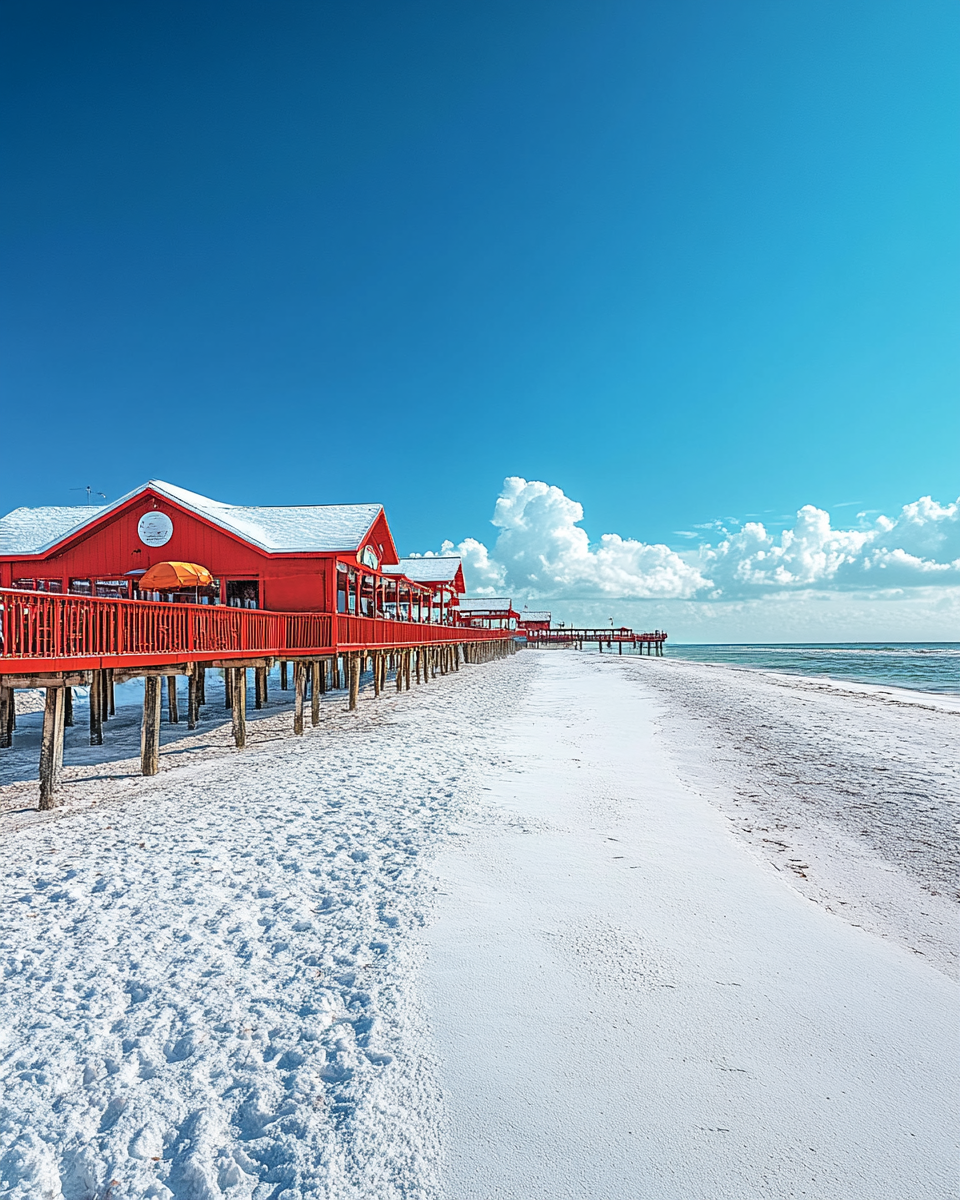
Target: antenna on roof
{"type": "Point", "coordinates": [90, 492]}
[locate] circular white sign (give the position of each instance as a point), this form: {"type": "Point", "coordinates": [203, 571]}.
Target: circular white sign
{"type": "Point", "coordinates": [155, 529]}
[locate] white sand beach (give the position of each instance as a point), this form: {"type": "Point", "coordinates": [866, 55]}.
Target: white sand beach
{"type": "Point", "coordinates": [561, 926]}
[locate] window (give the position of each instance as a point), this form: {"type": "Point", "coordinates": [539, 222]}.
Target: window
{"type": "Point", "coordinates": [243, 593]}
{"type": "Point", "coordinates": [81, 587]}
{"type": "Point", "coordinates": [367, 597]}
{"type": "Point", "coordinates": [113, 589]}
{"type": "Point", "coordinates": [390, 608]}
{"type": "Point", "coordinates": [39, 585]}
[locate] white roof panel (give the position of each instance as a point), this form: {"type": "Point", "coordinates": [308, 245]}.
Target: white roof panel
{"type": "Point", "coordinates": [317, 527]}
{"type": "Point", "coordinates": [303, 528]}
{"type": "Point", "coordinates": [428, 569]}
{"type": "Point", "coordinates": [486, 604]}
{"type": "Point", "coordinates": [535, 616]}
{"type": "Point", "coordinates": [26, 530]}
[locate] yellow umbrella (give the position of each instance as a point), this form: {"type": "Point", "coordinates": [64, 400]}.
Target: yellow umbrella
{"type": "Point", "coordinates": [173, 576]}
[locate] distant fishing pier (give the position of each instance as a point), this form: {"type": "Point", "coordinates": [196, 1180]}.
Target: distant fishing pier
{"type": "Point", "coordinates": [649, 643]}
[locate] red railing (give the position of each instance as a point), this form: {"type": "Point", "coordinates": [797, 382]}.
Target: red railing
{"type": "Point", "coordinates": [53, 632]}
{"type": "Point", "coordinates": [354, 633]}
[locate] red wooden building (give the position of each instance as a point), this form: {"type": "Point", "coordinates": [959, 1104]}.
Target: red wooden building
{"type": "Point", "coordinates": [443, 574]}
{"type": "Point", "coordinates": [334, 558]}
{"type": "Point", "coordinates": [318, 586]}
{"type": "Point", "coordinates": [488, 612]}
{"type": "Point", "coordinates": [533, 622]}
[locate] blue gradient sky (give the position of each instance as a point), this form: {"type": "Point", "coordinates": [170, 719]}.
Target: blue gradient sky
{"type": "Point", "coordinates": [685, 261]}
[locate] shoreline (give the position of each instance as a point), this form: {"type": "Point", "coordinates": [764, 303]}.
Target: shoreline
{"type": "Point", "coordinates": [806, 652]}
{"type": "Point", "coordinates": [850, 791]}
{"type": "Point", "coordinates": [922, 697]}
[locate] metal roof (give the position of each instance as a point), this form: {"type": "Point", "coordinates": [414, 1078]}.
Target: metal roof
{"type": "Point", "coordinates": [298, 528]}
{"type": "Point", "coordinates": [27, 530]}
{"type": "Point", "coordinates": [431, 568]}
{"type": "Point", "coordinates": [487, 604]}
{"type": "Point", "coordinates": [534, 616]}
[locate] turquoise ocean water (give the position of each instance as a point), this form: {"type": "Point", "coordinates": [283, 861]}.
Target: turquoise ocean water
{"type": "Point", "coordinates": [926, 666]}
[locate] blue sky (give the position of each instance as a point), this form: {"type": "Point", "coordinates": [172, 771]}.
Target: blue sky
{"type": "Point", "coordinates": [687, 262]}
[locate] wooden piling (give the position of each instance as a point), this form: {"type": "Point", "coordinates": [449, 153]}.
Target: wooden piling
{"type": "Point", "coordinates": [228, 687]}
{"type": "Point", "coordinates": [200, 674]}
{"type": "Point", "coordinates": [354, 681]}
{"type": "Point", "coordinates": [193, 700]}
{"type": "Point", "coordinates": [51, 748]}
{"type": "Point", "coordinates": [299, 688]}
{"type": "Point", "coordinates": [111, 692]}
{"type": "Point", "coordinates": [260, 687]}
{"type": "Point", "coordinates": [239, 709]}
{"type": "Point", "coordinates": [68, 707]}
{"type": "Point", "coordinates": [173, 705]}
{"type": "Point", "coordinates": [6, 711]}
{"type": "Point", "coordinates": [96, 709]}
{"type": "Point", "coordinates": [283, 676]}
{"type": "Point", "coordinates": [150, 726]}
{"type": "Point", "coordinates": [315, 693]}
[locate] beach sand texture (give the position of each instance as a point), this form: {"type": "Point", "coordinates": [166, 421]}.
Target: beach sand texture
{"type": "Point", "coordinates": [516, 933]}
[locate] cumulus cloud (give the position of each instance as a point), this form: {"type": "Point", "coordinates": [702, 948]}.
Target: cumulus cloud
{"type": "Point", "coordinates": [541, 552]}
{"type": "Point", "coordinates": [918, 548]}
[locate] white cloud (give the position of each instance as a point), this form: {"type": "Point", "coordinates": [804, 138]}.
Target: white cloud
{"type": "Point", "coordinates": [542, 553]}
{"type": "Point", "coordinates": [921, 546]}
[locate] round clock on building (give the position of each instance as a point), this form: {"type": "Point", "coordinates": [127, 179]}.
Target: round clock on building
{"type": "Point", "coordinates": [155, 529]}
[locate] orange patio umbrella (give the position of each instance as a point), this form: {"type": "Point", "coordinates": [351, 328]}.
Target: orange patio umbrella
{"type": "Point", "coordinates": [173, 576]}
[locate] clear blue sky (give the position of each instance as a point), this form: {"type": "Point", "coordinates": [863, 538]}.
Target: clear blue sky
{"type": "Point", "coordinates": [683, 260]}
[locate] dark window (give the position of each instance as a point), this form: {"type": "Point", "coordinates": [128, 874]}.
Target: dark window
{"type": "Point", "coordinates": [243, 593]}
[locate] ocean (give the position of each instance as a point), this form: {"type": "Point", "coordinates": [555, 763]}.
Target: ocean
{"type": "Point", "coordinates": [925, 666]}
